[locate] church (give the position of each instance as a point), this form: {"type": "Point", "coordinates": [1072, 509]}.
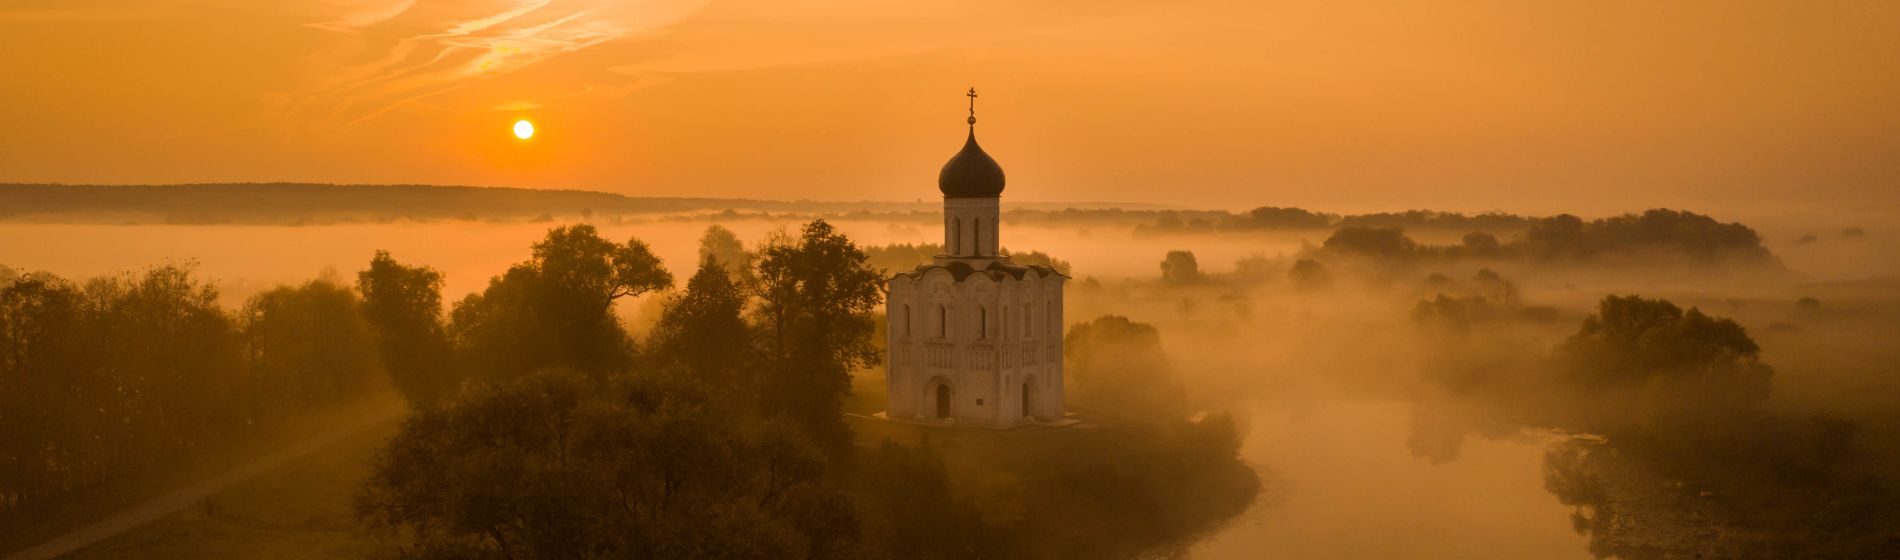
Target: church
{"type": "Point", "coordinates": [975, 339]}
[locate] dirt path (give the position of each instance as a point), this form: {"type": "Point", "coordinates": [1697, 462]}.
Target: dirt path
{"type": "Point", "coordinates": [195, 494]}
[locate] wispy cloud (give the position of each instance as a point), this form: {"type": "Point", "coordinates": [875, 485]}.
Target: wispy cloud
{"type": "Point", "coordinates": [405, 51]}
{"type": "Point", "coordinates": [358, 15]}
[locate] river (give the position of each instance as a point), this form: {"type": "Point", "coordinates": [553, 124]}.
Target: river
{"type": "Point", "coordinates": [1339, 481]}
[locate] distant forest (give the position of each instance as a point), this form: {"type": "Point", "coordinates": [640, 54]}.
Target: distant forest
{"type": "Point", "coordinates": [308, 203]}
{"type": "Point", "coordinates": [304, 203]}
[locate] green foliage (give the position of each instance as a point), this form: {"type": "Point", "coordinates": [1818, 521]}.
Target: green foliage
{"type": "Point", "coordinates": [139, 374]}
{"type": "Point", "coordinates": [1372, 242]}
{"type": "Point", "coordinates": [722, 245]}
{"type": "Point", "coordinates": [1179, 267]}
{"type": "Point", "coordinates": [703, 330]}
{"type": "Point", "coordinates": [562, 465]}
{"type": "Point", "coordinates": [556, 310]}
{"type": "Point", "coordinates": [816, 297]}
{"type": "Point", "coordinates": [403, 305]}
{"type": "Point", "coordinates": [1631, 342]}
{"type": "Point", "coordinates": [1117, 371]}
{"type": "Point", "coordinates": [1274, 218]}
{"type": "Point", "coordinates": [1661, 230]}
{"type": "Point", "coordinates": [1111, 492]}
{"type": "Point", "coordinates": [1309, 275]}
{"type": "Point", "coordinates": [309, 345]}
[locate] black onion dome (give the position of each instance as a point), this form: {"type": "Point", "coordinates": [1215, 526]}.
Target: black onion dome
{"type": "Point", "coordinates": [971, 173]}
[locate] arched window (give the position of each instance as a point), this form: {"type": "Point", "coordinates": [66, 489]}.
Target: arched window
{"type": "Point", "coordinates": [906, 320]}
{"type": "Point", "coordinates": [1003, 329]}
{"type": "Point", "coordinates": [982, 323]}
{"type": "Point", "coordinates": [943, 321]}
{"type": "Point", "coordinates": [1027, 331]}
{"type": "Point", "coordinates": [976, 233]}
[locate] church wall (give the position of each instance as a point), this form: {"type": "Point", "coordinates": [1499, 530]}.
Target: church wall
{"type": "Point", "coordinates": [971, 226]}
{"type": "Point", "coordinates": [984, 351]}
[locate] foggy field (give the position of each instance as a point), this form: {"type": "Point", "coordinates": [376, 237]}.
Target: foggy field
{"type": "Point", "coordinates": [299, 510]}
{"type": "Point", "coordinates": [1410, 404]}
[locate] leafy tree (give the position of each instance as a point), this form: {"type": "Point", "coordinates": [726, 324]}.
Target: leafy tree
{"type": "Point", "coordinates": [1117, 370]}
{"type": "Point", "coordinates": [1180, 268]}
{"type": "Point", "coordinates": [1309, 275]}
{"type": "Point", "coordinates": [309, 345]}
{"type": "Point", "coordinates": [1253, 268]}
{"type": "Point", "coordinates": [556, 310]}
{"type": "Point", "coordinates": [816, 298]}
{"type": "Point", "coordinates": [1372, 242]}
{"type": "Point", "coordinates": [403, 305]}
{"type": "Point", "coordinates": [724, 246]}
{"type": "Point", "coordinates": [1288, 218]}
{"type": "Point", "coordinates": [44, 379]}
{"type": "Point", "coordinates": [703, 330]}
{"type": "Point", "coordinates": [1674, 365]}
{"type": "Point", "coordinates": [175, 356]}
{"type": "Point", "coordinates": [1479, 243]}
{"type": "Point", "coordinates": [561, 465]}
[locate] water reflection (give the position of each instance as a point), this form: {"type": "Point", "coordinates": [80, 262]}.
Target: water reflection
{"type": "Point", "coordinates": [1342, 481]}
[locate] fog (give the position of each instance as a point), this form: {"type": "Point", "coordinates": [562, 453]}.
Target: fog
{"type": "Point", "coordinates": [1378, 424]}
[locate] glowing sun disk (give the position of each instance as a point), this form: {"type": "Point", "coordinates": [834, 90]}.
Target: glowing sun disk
{"type": "Point", "coordinates": [524, 129]}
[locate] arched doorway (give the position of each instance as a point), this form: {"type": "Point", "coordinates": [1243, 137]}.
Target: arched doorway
{"type": "Point", "coordinates": [943, 401]}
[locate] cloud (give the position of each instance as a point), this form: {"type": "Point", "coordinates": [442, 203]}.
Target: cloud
{"type": "Point", "coordinates": [420, 50]}
{"type": "Point", "coordinates": [357, 16]}
{"type": "Point", "coordinates": [518, 106]}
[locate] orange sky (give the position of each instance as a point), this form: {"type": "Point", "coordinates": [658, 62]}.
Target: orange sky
{"type": "Point", "coordinates": [1583, 106]}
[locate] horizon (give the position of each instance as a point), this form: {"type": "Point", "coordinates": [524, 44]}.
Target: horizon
{"type": "Point", "coordinates": [1719, 107]}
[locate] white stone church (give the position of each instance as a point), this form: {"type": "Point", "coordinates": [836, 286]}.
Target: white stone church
{"type": "Point", "coordinates": [974, 338]}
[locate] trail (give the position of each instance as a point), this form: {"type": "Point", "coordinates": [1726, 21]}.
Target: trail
{"type": "Point", "coordinates": [190, 495]}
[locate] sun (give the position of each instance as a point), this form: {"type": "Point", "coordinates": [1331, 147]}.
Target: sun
{"type": "Point", "coordinates": [524, 129]}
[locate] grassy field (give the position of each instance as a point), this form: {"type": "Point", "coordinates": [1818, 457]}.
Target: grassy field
{"type": "Point", "coordinates": [300, 510]}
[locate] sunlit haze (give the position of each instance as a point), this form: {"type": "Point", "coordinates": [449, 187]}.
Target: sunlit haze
{"type": "Point", "coordinates": [1592, 107]}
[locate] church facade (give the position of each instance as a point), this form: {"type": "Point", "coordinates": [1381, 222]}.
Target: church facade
{"type": "Point", "coordinates": [974, 338]}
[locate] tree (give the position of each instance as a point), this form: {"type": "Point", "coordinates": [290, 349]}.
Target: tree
{"type": "Point", "coordinates": [403, 305]}
{"type": "Point", "coordinates": [724, 246]}
{"type": "Point", "coordinates": [45, 381]}
{"type": "Point", "coordinates": [1180, 268]}
{"type": "Point", "coordinates": [309, 345]}
{"type": "Point", "coordinates": [1673, 364]}
{"type": "Point", "coordinates": [562, 465]}
{"type": "Point", "coordinates": [556, 310]}
{"type": "Point", "coordinates": [816, 295]}
{"type": "Point", "coordinates": [1119, 371]}
{"type": "Point", "coordinates": [175, 356]}
{"type": "Point", "coordinates": [1481, 244]}
{"type": "Point", "coordinates": [1309, 275]}
{"type": "Point", "coordinates": [703, 330]}
{"type": "Point", "coordinates": [1372, 242]}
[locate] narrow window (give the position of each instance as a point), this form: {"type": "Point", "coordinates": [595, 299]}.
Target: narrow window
{"type": "Point", "coordinates": [943, 321]}
{"type": "Point", "coordinates": [1026, 323]}
{"type": "Point", "coordinates": [976, 232]}
{"type": "Point", "coordinates": [1004, 328]}
{"type": "Point", "coordinates": [1049, 317]}
{"type": "Point", "coordinates": [982, 323]}
{"type": "Point", "coordinates": [906, 320]}
{"type": "Point", "coordinates": [956, 237]}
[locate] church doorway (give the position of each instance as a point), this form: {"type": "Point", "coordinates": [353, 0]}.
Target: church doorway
{"type": "Point", "coordinates": [1029, 397]}
{"type": "Point", "coordinates": [943, 401]}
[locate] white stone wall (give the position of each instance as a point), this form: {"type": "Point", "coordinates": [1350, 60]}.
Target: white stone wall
{"type": "Point", "coordinates": [971, 226]}
{"type": "Point", "coordinates": [984, 339]}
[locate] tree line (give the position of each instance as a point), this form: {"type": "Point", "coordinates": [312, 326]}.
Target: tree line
{"type": "Point", "coordinates": [110, 380]}
{"type": "Point", "coordinates": [545, 430]}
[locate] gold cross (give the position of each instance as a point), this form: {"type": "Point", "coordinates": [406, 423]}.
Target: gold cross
{"type": "Point", "coordinates": [972, 95]}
